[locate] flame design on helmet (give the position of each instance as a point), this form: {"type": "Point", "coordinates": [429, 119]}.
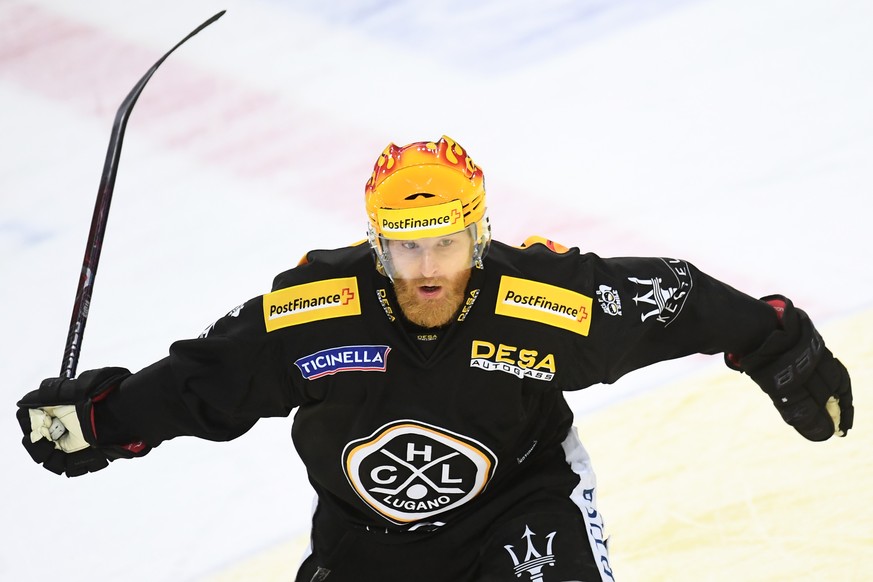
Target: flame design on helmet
{"type": "Point", "coordinates": [425, 174]}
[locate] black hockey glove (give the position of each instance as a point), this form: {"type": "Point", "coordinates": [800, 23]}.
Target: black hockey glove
{"type": "Point", "coordinates": [809, 387]}
{"type": "Point", "coordinates": [58, 427]}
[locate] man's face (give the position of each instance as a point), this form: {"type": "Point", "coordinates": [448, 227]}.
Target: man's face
{"type": "Point", "coordinates": [430, 276]}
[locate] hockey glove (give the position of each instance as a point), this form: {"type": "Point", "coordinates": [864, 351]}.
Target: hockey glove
{"type": "Point", "coordinates": [58, 424]}
{"type": "Point", "coordinates": [809, 387]}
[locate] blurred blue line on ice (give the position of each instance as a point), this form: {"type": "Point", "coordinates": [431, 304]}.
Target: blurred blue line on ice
{"type": "Point", "coordinates": [19, 234]}
{"type": "Point", "coordinates": [488, 37]}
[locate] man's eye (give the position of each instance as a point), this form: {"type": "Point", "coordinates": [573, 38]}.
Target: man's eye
{"type": "Point", "coordinates": [409, 245]}
{"type": "Point", "coordinates": [446, 242]}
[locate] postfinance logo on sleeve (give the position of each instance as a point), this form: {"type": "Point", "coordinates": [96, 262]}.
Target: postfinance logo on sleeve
{"type": "Point", "coordinates": [311, 302]}
{"type": "Point", "coordinates": [544, 303]}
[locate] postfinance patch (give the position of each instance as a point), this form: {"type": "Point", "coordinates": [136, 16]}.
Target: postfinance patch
{"type": "Point", "coordinates": [311, 302]}
{"type": "Point", "coordinates": [424, 222]}
{"type": "Point", "coordinates": [544, 303]}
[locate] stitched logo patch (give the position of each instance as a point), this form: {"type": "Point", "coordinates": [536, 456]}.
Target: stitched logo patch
{"type": "Point", "coordinates": [343, 359]}
{"type": "Point", "coordinates": [408, 471]}
{"type": "Point", "coordinates": [311, 302]}
{"type": "Point", "coordinates": [544, 303]}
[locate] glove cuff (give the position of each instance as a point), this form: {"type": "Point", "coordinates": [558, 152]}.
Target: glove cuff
{"type": "Point", "coordinates": [780, 305]}
{"type": "Point", "coordinates": [807, 385]}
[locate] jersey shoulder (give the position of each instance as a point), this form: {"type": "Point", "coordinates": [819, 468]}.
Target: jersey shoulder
{"type": "Point", "coordinates": [349, 261]}
{"type": "Point", "coordinates": [536, 255]}
{"type": "Point", "coordinates": [548, 243]}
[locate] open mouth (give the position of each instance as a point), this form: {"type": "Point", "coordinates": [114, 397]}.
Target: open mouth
{"type": "Point", "coordinates": [430, 290]}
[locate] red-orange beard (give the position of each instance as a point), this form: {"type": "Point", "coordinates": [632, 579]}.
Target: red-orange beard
{"type": "Point", "coordinates": [431, 312]}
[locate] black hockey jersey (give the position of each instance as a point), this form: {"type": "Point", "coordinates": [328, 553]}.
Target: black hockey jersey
{"type": "Point", "coordinates": [399, 427]}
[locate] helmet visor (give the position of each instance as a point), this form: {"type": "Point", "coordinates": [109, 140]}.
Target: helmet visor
{"type": "Point", "coordinates": [428, 258]}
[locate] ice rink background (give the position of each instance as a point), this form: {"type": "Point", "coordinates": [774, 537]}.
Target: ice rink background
{"type": "Point", "coordinates": [737, 135]}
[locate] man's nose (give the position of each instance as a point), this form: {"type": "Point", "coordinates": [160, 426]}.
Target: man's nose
{"type": "Point", "coordinates": [429, 264]}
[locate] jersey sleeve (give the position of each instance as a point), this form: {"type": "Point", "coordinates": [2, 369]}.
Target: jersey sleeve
{"type": "Point", "coordinates": [214, 387]}
{"type": "Point", "coordinates": [654, 309]}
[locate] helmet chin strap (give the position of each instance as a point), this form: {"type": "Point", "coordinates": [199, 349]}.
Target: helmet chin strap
{"type": "Point", "coordinates": [481, 242]}
{"type": "Point", "coordinates": [380, 257]}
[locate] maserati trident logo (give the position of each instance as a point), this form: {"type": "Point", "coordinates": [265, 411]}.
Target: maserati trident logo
{"type": "Point", "coordinates": [533, 562]}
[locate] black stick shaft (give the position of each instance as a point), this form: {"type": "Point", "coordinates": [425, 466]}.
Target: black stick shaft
{"type": "Point", "coordinates": [101, 213]}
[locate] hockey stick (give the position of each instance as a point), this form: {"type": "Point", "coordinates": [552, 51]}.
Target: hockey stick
{"type": "Point", "coordinates": [101, 213]}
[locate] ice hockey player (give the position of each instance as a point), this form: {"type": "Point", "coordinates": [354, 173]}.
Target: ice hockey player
{"type": "Point", "coordinates": [427, 368]}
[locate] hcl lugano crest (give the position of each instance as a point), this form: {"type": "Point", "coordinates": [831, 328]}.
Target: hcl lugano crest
{"type": "Point", "coordinates": [410, 471]}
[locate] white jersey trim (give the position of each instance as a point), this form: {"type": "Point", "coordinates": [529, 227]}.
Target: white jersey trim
{"type": "Point", "coordinates": [584, 495]}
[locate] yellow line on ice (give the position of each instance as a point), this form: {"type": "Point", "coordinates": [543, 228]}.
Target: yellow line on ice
{"type": "Point", "coordinates": [702, 481]}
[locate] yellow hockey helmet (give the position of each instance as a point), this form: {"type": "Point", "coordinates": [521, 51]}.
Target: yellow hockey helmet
{"type": "Point", "coordinates": [422, 190]}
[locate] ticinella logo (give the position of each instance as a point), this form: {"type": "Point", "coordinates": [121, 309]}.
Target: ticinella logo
{"type": "Point", "coordinates": [330, 361]}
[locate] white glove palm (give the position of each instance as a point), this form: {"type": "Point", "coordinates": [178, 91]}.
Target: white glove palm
{"type": "Point", "coordinates": [59, 424]}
